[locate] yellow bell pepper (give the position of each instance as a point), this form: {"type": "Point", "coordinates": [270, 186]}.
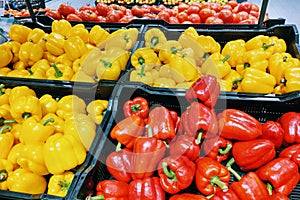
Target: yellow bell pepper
{"type": "Point", "coordinates": [59, 184]}
{"type": "Point", "coordinates": [5, 116]}
{"type": "Point", "coordinates": [291, 80]}
{"type": "Point", "coordinates": [236, 49]}
{"type": "Point", "coordinates": [59, 72]}
{"type": "Point", "coordinates": [154, 38]}
{"type": "Point", "coordinates": [20, 65]}
{"type": "Point", "coordinates": [146, 56]}
{"type": "Point", "coordinates": [279, 62]}
{"type": "Point", "coordinates": [164, 82]}
{"type": "Point", "coordinates": [30, 53]}
{"type": "Point", "coordinates": [4, 71]}
{"type": "Point", "coordinates": [48, 103]}
{"type": "Point", "coordinates": [168, 49]}
{"type": "Point", "coordinates": [14, 154]}
{"type": "Point", "coordinates": [89, 61]}
{"type": "Point", "coordinates": [261, 42]}
{"type": "Point", "coordinates": [74, 47]}
{"type": "Point", "coordinates": [18, 33]}
{"type": "Point", "coordinates": [184, 85]}
{"type": "Point", "coordinates": [36, 73]}
{"type": "Point", "coordinates": [82, 127]}
{"type": "Point", "coordinates": [6, 56]}
{"type": "Point", "coordinates": [4, 95]}
{"type": "Point", "coordinates": [123, 38]}
{"type": "Point", "coordinates": [279, 44]}
{"type": "Point", "coordinates": [6, 167]}
{"type": "Point", "coordinates": [49, 57]}
{"type": "Point", "coordinates": [70, 104]}
{"type": "Point", "coordinates": [97, 35]}
{"type": "Point", "coordinates": [234, 78]}
{"type": "Point", "coordinates": [55, 44]}
{"type": "Point", "coordinates": [61, 27]}
{"type": "Point", "coordinates": [165, 71]}
{"type": "Point", "coordinates": [108, 69]}
{"type": "Point", "coordinates": [216, 64]}
{"type": "Point", "coordinates": [225, 85]}
{"type": "Point", "coordinates": [96, 110]}
{"type": "Point", "coordinates": [22, 180]}
{"type": "Point", "coordinates": [6, 141]}
{"type": "Point", "coordinates": [209, 44]}
{"type": "Point", "coordinates": [80, 76]}
{"type": "Point", "coordinates": [257, 81]}
{"type": "Point", "coordinates": [141, 76]}
{"type": "Point", "coordinates": [16, 130]}
{"type": "Point", "coordinates": [63, 152]}
{"type": "Point", "coordinates": [80, 31]}
{"type": "Point", "coordinates": [64, 59]}
{"type": "Point", "coordinates": [14, 47]}
{"type": "Point", "coordinates": [31, 158]}
{"type": "Point", "coordinates": [119, 54]}
{"type": "Point", "coordinates": [191, 32]}
{"type": "Point", "coordinates": [19, 91]}
{"type": "Point", "coordinates": [35, 35]}
{"type": "Point", "coordinates": [18, 73]}
{"type": "Point", "coordinates": [58, 123]}
{"type": "Point", "coordinates": [42, 64]}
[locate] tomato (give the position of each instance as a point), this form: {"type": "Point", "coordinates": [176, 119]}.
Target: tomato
{"type": "Point", "coordinates": [242, 15]}
{"type": "Point", "coordinates": [114, 16]}
{"type": "Point", "coordinates": [249, 21]}
{"type": "Point", "coordinates": [155, 9]}
{"type": "Point", "coordinates": [186, 22]}
{"type": "Point", "coordinates": [226, 6]}
{"type": "Point", "coordinates": [164, 15]}
{"type": "Point", "coordinates": [245, 6]}
{"type": "Point", "coordinates": [255, 7]}
{"type": "Point", "coordinates": [53, 14]}
{"type": "Point", "coordinates": [162, 6]}
{"type": "Point", "coordinates": [101, 18]}
{"type": "Point", "coordinates": [194, 18]}
{"type": "Point", "coordinates": [88, 7]}
{"type": "Point", "coordinates": [182, 7]}
{"type": "Point", "coordinates": [73, 17]}
{"type": "Point", "coordinates": [173, 20]}
{"type": "Point", "coordinates": [193, 9]}
{"type": "Point", "coordinates": [146, 8]}
{"type": "Point", "coordinates": [150, 15]}
{"type": "Point", "coordinates": [215, 6]}
{"type": "Point", "coordinates": [214, 20]}
{"type": "Point", "coordinates": [88, 15]}
{"type": "Point", "coordinates": [182, 16]}
{"type": "Point", "coordinates": [126, 19]}
{"type": "Point", "coordinates": [254, 13]}
{"type": "Point", "coordinates": [102, 9]}
{"type": "Point", "coordinates": [206, 12]}
{"type": "Point", "coordinates": [137, 11]}
{"type": "Point", "coordinates": [226, 16]}
{"type": "Point", "coordinates": [66, 9]}
{"type": "Point", "coordinates": [171, 12]}
{"type": "Point", "coordinates": [232, 3]}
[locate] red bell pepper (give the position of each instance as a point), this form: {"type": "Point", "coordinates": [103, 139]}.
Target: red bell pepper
{"type": "Point", "coordinates": [112, 189]}
{"type": "Point", "coordinates": [221, 195]}
{"type": "Point", "coordinates": [278, 196]}
{"type": "Point", "coordinates": [238, 125]}
{"type": "Point", "coordinates": [211, 176]}
{"type": "Point", "coordinates": [147, 152]}
{"type": "Point", "coordinates": [200, 122]}
{"type": "Point", "coordinates": [217, 148]}
{"type": "Point", "coordinates": [127, 130]}
{"type": "Point", "coordinates": [176, 173]}
{"type": "Point", "coordinates": [290, 122]}
{"type": "Point", "coordinates": [292, 152]}
{"type": "Point", "coordinates": [147, 188]}
{"type": "Point", "coordinates": [273, 131]}
{"type": "Point", "coordinates": [187, 196]}
{"type": "Point", "coordinates": [206, 90]}
{"type": "Point", "coordinates": [161, 123]}
{"type": "Point", "coordinates": [118, 163]}
{"type": "Point", "coordinates": [176, 119]}
{"type": "Point", "coordinates": [137, 106]}
{"type": "Point", "coordinates": [185, 145]}
{"type": "Point", "coordinates": [282, 173]}
{"type": "Point", "coordinates": [253, 154]}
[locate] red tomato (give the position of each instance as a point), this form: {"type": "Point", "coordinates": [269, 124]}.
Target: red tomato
{"type": "Point", "coordinates": [162, 6]}
{"type": "Point", "coordinates": [173, 20]}
{"type": "Point", "coordinates": [114, 16]}
{"type": "Point", "coordinates": [88, 15]}
{"type": "Point", "coordinates": [150, 15]}
{"type": "Point", "coordinates": [249, 21]}
{"type": "Point", "coordinates": [164, 15]}
{"type": "Point", "coordinates": [155, 9]}
{"type": "Point", "coordinates": [214, 20]}
{"type": "Point", "coordinates": [226, 16]}
{"type": "Point", "coordinates": [254, 13]}
{"type": "Point", "coordinates": [54, 14]}
{"type": "Point", "coordinates": [245, 6]}
{"type": "Point", "coordinates": [102, 9]}
{"type": "Point", "coordinates": [193, 9]}
{"type": "Point", "coordinates": [182, 16]}
{"type": "Point", "coordinates": [88, 7]}
{"type": "Point", "coordinates": [232, 3]}
{"type": "Point", "coordinates": [182, 7]}
{"type": "Point", "coordinates": [137, 11]}
{"type": "Point", "coordinates": [187, 22]}
{"type": "Point", "coordinates": [215, 6]}
{"type": "Point", "coordinates": [194, 18]}
{"type": "Point", "coordinates": [101, 18]}
{"type": "Point", "coordinates": [73, 17]}
{"type": "Point", "coordinates": [241, 16]}
{"type": "Point", "coordinates": [171, 12]}
{"type": "Point", "coordinates": [66, 9]}
{"type": "Point", "coordinates": [146, 8]}
{"type": "Point", "coordinates": [126, 19]}
{"type": "Point", "coordinates": [255, 7]}
{"type": "Point", "coordinates": [206, 12]}
{"type": "Point", "coordinates": [226, 6]}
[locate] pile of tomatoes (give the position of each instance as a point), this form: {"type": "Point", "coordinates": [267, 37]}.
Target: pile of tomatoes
{"type": "Point", "coordinates": [194, 13]}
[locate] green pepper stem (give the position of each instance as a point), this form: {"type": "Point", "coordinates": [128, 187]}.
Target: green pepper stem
{"type": "Point", "coordinates": [106, 63]}
{"type": "Point", "coordinates": [100, 197]}
{"type": "Point", "coordinates": [174, 50]}
{"type": "Point", "coordinates": [270, 189]}
{"type": "Point", "coordinates": [215, 180]}
{"type": "Point", "coordinates": [154, 41]}
{"type": "Point", "coordinates": [266, 46]}
{"type": "Point", "coordinates": [64, 185]}
{"type": "Point", "coordinates": [57, 73]}
{"type": "Point", "coordinates": [6, 121]}
{"type": "Point", "coordinates": [142, 72]}
{"type": "Point", "coordinates": [4, 128]}
{"type": "Point", "coordinates": [167, 146]}
{"type": "Point", "coordinates": [118, 147]}
{"type": "Point", "coordinates": [3, 175]}
{"type": "Point", "coordinates": [199, 136]}
{"type": "Point", "coordinates": [1, 89]}
{"type": "Point", "coordinates": [285, 58]}
{"type": "Point", "coordinates": [226, 150]}
{"type": "Point", "coordinates": [135, 107]}
{"type": "Point", "coordinates": [30, 71]}
{"type": "Point", "coordinates": [126, 38]}
{"type": "Point", "coordinates": [235, 83]}
{"type": "Point", "coordinates": [246, 65]}
{"type": "Point", "coordinates": [225, 58]}
{"type": "Point", "coordinates": [47, 121]}
{"type": "Point", "coordinates": [170, 174]}
{"type": "Point", "coordinates": [26, 115]}
{"type": "Point", "coordinates": [150, 133]}
{"type": "Point", "coordinates": [228, 166]}
{"type": "Point", "coordinates": [104, 112]}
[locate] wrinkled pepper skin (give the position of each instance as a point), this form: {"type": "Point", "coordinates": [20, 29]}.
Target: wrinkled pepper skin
{"type": "Point", "coordinates": [291, 80]}
{"type": "Point", "coordinates": [228, 195]}
{"type": "Point", "coordinates": [282, 173]}
{"type": "Point", "coordinates": [236, 49]}
{"type": "Point", "coordinates": [112, 189]}
{"type": "Point", "coordinates": [176, 173]}
{"type": "Point", "coordinates": [217, 148]}
{"type": "Point", "coordinates": [205, 89]}
{"type": "Point", "coordinates": [6, 141]}
{"type": "Point", "coordinates": [146, 189]}
{"type": "Point", "coordinates": [187, 196]}
{"type": "Point", "coordinates": [273, 131]}
{"type": "Point", "coordinates": [211, 176]}
{"type": "Point", "coordinates": [96, 110]}
{"type": "Point", "coordinates": [290, 122]}
{"type": "Point", "coordinates": [6, 167]}
{"type": "Point", "coordinates": [70, 104]}
{"type": "Point", "coordinates": [292, 152]}
{"type": "Point", "coordinates": [137, 106]}
{"type": "Point", "coordinates": [238, 125]}
{"type": "Point", "coordinates": [258, 152]}
{"type": "Point", "coordinates": [59, 184]}
{"type": "Point", "coordinates": [250, 187]}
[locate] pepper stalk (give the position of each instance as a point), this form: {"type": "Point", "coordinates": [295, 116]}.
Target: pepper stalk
{"type": "Point", "coordinates": [58, 73]}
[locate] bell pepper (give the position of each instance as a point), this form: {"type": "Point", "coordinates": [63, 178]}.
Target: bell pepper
{"type": "Point", "coordinates": [291, 80]}
{"type": "Point", "coordinates": [30, 52]}
{"type": "Point", "coordinates": [281, 173]}
{"type": "Point", "coordinates": [97, 35]}
{"type": "Point", "coordinates": [211, 176]}
{"type": "Point", "coordinates": [96, 110]}
{"type": "Point", "coordinates": [142, 76]}
{"type": "Point", "coordinates": [4, 95]}
{"type": "Point", "coordinates": [80, 76]}
{"type": "Point", "coordinates": [217, 148]}
{"type": "Point", "coordinates": [117, 53]}
{"type": "Point", "coordinates": [55, 44]}
{"type": "Point", "coordinates": [61, 27]}
{"type": "Point", "coordinates": [164, 82]}
{"type": "Point", "coordinates": [206, 89]}
{"type": "Point", "coordinates": [261, 42]}
{"type": "Point", "coordinates": [20, 65]}
{"type": "Point", "coordinates": [111, 189]}
{"type": "Point", "coordinates": [6, 56]}
{"type": "Point", "coordinates": [74, 47]}
{"type": "Point", "coordinates": [49, 57]}
{"type": "Point", "coordinates": [6, 141]}
{"type": "Point", "coordinates": [188, 196]}
{"type": "Point", "coordinates": [154, 38]}
{"type": "Point", "coordinates": [14, 154]}
{"type": "Point", "coordinates": [35, 35]}
{"type": "Point", "coordinates": [167, 51]}
{"type": "Point", "coordinates": [24, 107]}
{"type": "Point", "coordinates": [58, 123]}
{"type": "Point", "coordinates": [59, 184]}
{"type": "Point", "coordinates": [18, 73]}
{"type": "Point", "coordinates": [108, 68]}
{"type": "Point", "coordinates": [137, 106]}
{"type": "Point", "coordinates": [144, 56]}
{"type": "Point", "coordinates": [36, 132]}
{"type": "Point", "coordinates": [22, 180]}
{"type": "Point", "coordinates": [176, 173]}
{"type": "Point", "coordinates": [279, 44]}
{"type": "Point", "coordinates": [37, 73]}
{"type": "Point", "coordinates": [80, 31]}
{"type": "Point", "coordinates": [278, 196]}
{"type": "Point", "coordinates": [292, 152]}
{"type": "Point", "coordinates": [123, 38]}
{"type": "Point", "coordinates": [147, 152]}
{"type": "Point", "coordinates": [290, 122]}
{"type": "Point", "coordinates": [19, 91]}
{"type": "Point", "coordinates": [64, 59]}
{"type": "Point", "coordinates": [63, 152]}
{"type": "Point", "coordinates": [31, 158]}
{"type": "Point", "coordinates": [5, 116]}
{"type": "Point", "coordinates": [127, 130]}
{"type": "Point", "coordinates": [147, 188]}
{"type": "Point", "coordinates": [6, 167]}
{"type": "Point", "coordinates": [4, 71]}
{"type": "Point", "coordinates": [273, 131]}
{"type": "Point", "coordinates": [119, 164]}
{"type": "Point", "coordinates": [200, 122]}
{"type": "Point", "coordinates": [185, 145]}
{"type": "Point", "coordinates": [70, 104]}
{"type": "Point", "coordinates": [161, 123]}
{"type": "Point", "coordinates": [191, 32]}
{"type": "Point", "coordinates": [90, 60]}
{"type": "Point", "coordinates": [209, 44]}
{"type": "Point", "coordinates": [236, 49]}
{"type": "Point", "coordinates": [257, 151]}
{"type": "Point", "coordinates": [216, 65]}
{"type": "Point", "coordinates": [59, 72]}
{"type": "Point", "coordinates": [18, 32]}
{"type": "Point", "coordinates": [14, 48]}
{"type": "Point", "coordinates": [279, 62]}
{"type": "Point", "coordinates": [48, 103]}
{"type": "Point", "coordinates": [221, 195]}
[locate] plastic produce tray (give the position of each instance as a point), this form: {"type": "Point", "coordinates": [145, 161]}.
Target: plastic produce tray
{"type": "Point", "coordinates": [57, 91]}
{"type": "Point", "coordinates": [269, 109]}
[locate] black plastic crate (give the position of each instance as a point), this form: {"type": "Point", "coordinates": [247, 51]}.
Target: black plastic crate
{"type": "Point", "coordinates": [269, 108]}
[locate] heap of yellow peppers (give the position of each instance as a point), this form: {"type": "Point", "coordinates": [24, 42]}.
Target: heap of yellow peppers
{"type": "Point", "coordinates": [70, 53]}
{"type": "Point", "coordinates": [42, 135]}
{"type": "Point", "coordinates": [259, 65]}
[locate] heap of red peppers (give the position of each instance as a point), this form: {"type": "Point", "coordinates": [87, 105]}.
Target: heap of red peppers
{"type": "Point", "coordinates": [160, 154]}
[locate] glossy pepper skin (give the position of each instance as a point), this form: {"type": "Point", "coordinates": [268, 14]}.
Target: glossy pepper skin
{"type": "Point", "coordinates": [6, 56]}
{"type": "Point", "coordinates": [292, 152]}
{"type": "Point", "coordinates": [282, 173]}
{"type": "Point", "coordinates": [142, 76]}
{"type": "Point", "coordinates": [96, 110]}
{"type": "Point", "coordinates": [30, 52]}
{"type": "Point", "coordinates": [188, 196]}
{"type": "Point", "coordinates": [6, 141]}
{"type": "Point", "coordinates": [55, 44]}
{"type": "Point", "coordinates": [144, 57]}
{"type": "Point", "coordinates": [258, 152]}
{"type": "Point", "coordinates": [59, 72]}
{"type": "Point", "coordinates": [236, 49]}
{"type": "Point", "coordinates": [261, 42]}
{"type": "Point", "coordinates": [291, 80]}
{"type": "Point", "coordinates": [176, 173]}
{"type": "Point", "coordinates": [127, 130]}
{"type": "Point", "coordinates": [216, 65]}
{"type": "Point", "coordinates": [97, 35]}
{"type": "Point", "coordinates": [74, 47]}
{"type": "Point", "coordinates": [228, 195]}
{"type": "Point", "coordinates": [154, 38]}
{"type": "Point", "coordinates": [70, 104]}
{"type": "Point", "coordinates": [59, 185]}
{"type": "Point", "coordinates": [217, 148]}
{"type": "Point", "coordinates": [6, 167]}
{"type": "Point", "coordinates": [61, 27]}
{"type": "Point", "coordinates": [147, 188]}
{"type": "Point", "coordinates": [19, 33]}
{"type": "Point", "coordinates": [273, 131]}
{"type": "Point", "coordinates": [206, 89]}
{"type": "Point", "coordinates": [238, 125]}
{"type": "Point", "coordinates": [108, 68]}
{"type": "Point", "coordinates": [290, 122]}
{"type": "Point", "coordinates": [211, 176]}
{"type": "Point", "coordinates": [137, 106]}
{"type": "Point", "coordinates": [112, 189]}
